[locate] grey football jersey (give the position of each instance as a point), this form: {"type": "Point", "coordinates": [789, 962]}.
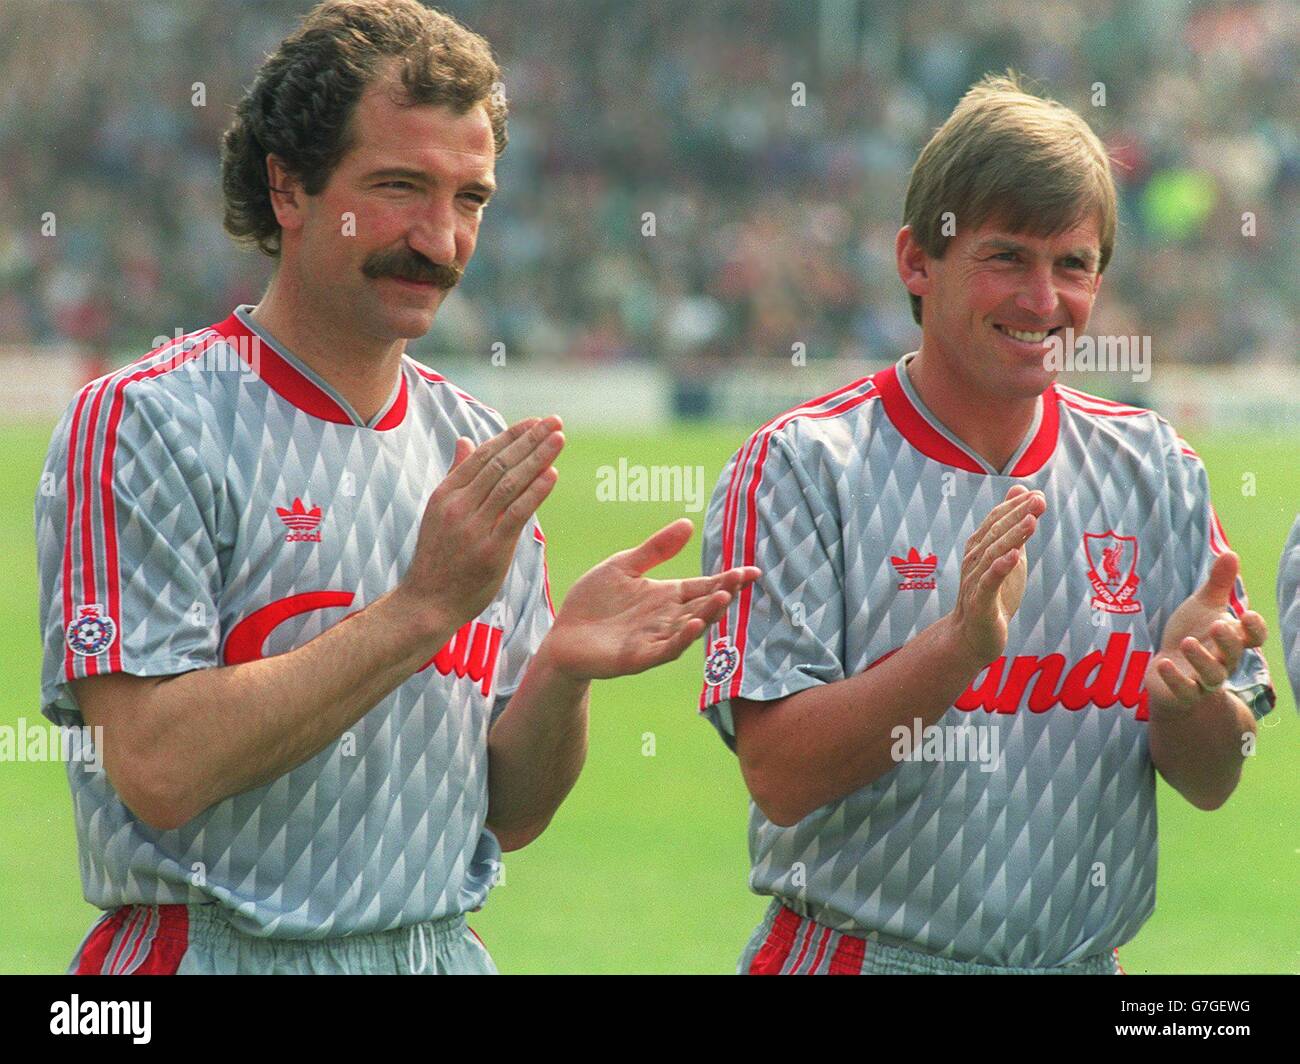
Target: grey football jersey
{"type": "Point", "coordinates": [217, 502]}
{"type": "Point", "coordinates": [1288, 606]}
{"type": "Point", "coordinates": [1027, 838]}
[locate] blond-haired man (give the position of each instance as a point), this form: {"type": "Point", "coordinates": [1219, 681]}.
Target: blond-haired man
{"type": "Point", "coordinates": [992, 606]}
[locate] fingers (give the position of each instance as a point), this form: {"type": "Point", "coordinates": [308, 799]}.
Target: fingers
{"type": "Point", "coordinates": [661, 546]}
{"type": "Point", "coordinates": [1013, 531]}
{"type": "Point", "coordinates": [513, 465]}
{"type": "Point", "coordinates": [1209, 669]}
{"type": "Point", "coordinates": [1019, 497]}
{"type": "Point", "coordinates": [517, 478]}
{"type": "Point", "coordinates": [464, 448]}
{"type": "Point", "coordinates": [677, 643]}
{"type": "Point", "coordinates": [467, 470]}
{"type": "Point", "coordinates": [1223, 575]}
{"type": "Point", "coordinates": [990, 582]}
{"type": "Point", "coordinates": [730, 580]}
{"type": "Point", "coordinates": [1229, 638]}
{"type": "Point", "coordinates": [691, 625]}
{"type": "Point", "coordinates": [705, 610]}
{"type": "Point", "coordinates": [1000, 521]}
{"type": "Point", "coordinates": [1255, 628]}
{"type": "Point", "coordinates": [1180, 685]}
{"type": "Point", "coordinates": [525, 504]}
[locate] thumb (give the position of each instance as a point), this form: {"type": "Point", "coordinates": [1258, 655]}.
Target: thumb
{"type": "Point", "coordinates": [1223, 574]}
{"type": "Point", "coordinates": [663, 545]}
{"type": "Point", "coordinates": [464, 448]}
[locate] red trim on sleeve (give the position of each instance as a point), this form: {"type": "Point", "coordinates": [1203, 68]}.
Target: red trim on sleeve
{"type": "Point", "coordinates": [738, 470]}
{"type": "Point", "coordinates": [740, 475]}
{"type": "Point", "coordinates": [87, 527]}
{"type": "Point", "coordinates": [69, 527]}
{"type": "Point", "coordinates": [751, 523]}
{"type": "Point", "coordinates": [117, 382]}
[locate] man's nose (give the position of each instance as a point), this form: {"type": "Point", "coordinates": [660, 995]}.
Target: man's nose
{"type": "Point", "coordinates": [1037, 296]}
{"type": "Point", "coordinates": [434, 234]}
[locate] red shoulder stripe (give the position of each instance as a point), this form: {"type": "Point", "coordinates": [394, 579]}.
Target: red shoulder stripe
{"type": "Point", "coordinates": [750, 537]}
{"type": "Point", "coordinates": [737, 472]}
{"type": "Point", "coordinates": [116, 382]}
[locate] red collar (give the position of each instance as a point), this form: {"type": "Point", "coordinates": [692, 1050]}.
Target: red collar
{"type": "Point", "coordinates": [921, 434]}
{"type": "Point", "coordinates": [288, 381]}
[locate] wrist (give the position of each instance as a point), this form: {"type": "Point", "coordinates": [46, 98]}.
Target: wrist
{"type": "Point", "coordinates": [420, 627]}
{"type": "Point", "coordinates": [958, 650]}
{"type": "Point", "coordinates": [554, 669]}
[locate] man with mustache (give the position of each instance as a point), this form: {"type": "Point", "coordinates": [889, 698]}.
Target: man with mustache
{"type": "Point", "coordinates": [296, 575]}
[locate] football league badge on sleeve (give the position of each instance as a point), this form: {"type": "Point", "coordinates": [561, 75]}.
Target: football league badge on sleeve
{"type": "Point", "coordinates": [92, 632]}
{"type": "Point", "coordinates": [1112, 571]}
{"type": "Point", "coordinates": [721, 662]}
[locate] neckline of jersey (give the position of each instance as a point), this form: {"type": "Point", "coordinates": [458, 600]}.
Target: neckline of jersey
{"type": "Point", "coordinates": [914, 421]}
{"type": "Point", "coordinates": [297, 383]}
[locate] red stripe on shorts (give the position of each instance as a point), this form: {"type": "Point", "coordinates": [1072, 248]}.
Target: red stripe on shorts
{"type": "Point", "coordinates": [821, 951]}
{"type": "Point", "coordinates": [170, 942]}
{"type": "Point", "coordinates": [775, 950]}
{"type": "Point", "coordinates": [848, 955]}
{"type": "Point", "coordinates": [95, 951]}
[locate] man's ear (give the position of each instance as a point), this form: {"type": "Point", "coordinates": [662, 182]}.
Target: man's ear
{"type": "Point", "coordinates": [913, 263]}
{"type": "Point", "coordinates": [287, 197]}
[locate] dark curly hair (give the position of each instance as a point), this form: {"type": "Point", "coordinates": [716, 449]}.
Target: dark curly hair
{"type": "Point", "coordinates": [300, 105]}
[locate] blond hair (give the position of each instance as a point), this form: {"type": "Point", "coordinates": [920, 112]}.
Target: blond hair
{"type": "Point", "coordinates": [1005, 155]}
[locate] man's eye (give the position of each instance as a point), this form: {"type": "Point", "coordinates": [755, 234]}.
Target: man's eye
{"type": "Point", "coordinates": [1005, 255]}
{"type": "Point", "coordinates": [397, 184]}
{"type": "Point", "coordinates": [476, 199]}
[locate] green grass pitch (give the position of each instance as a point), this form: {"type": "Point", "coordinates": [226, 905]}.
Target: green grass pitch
{"type": "Point", "coordinates": [644, 868]}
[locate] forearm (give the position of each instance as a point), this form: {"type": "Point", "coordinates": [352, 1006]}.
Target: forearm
{"type": "Point", "coordinates": [535, 751]}
{"type": "Point", "coordinates": [822, 744]}
{"type": "Point", "coordinates": [1200, 751]}
{"type": "Point", "coordinates": [203, 736]}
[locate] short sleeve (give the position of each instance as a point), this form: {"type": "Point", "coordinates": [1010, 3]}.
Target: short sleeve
{"type": "Point", "coordinates": [1288, 606]}
{"type": "Point", "coordinates": [529, 614]}
{"type": "Point", "coordinates": [124, 526]}
{"type": "Point", "coordinates": [783, 633]}
{"type": "Point", "coordinates": [1198, 531]}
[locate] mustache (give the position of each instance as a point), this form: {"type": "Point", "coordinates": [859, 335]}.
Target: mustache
{"type": "Point", "coordinates": [410, 266]}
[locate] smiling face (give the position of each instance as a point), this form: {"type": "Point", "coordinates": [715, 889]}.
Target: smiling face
{"type": "Point", "coordinates": [415, 180]}
{"type": "Point", "coordinates": [991, 301]}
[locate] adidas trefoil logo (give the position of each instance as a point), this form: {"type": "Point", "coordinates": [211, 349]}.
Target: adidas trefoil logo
{"type": "Point", "coordinates": [301, 522]}
{"type": "Point", "coordinates": [917, 572]}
